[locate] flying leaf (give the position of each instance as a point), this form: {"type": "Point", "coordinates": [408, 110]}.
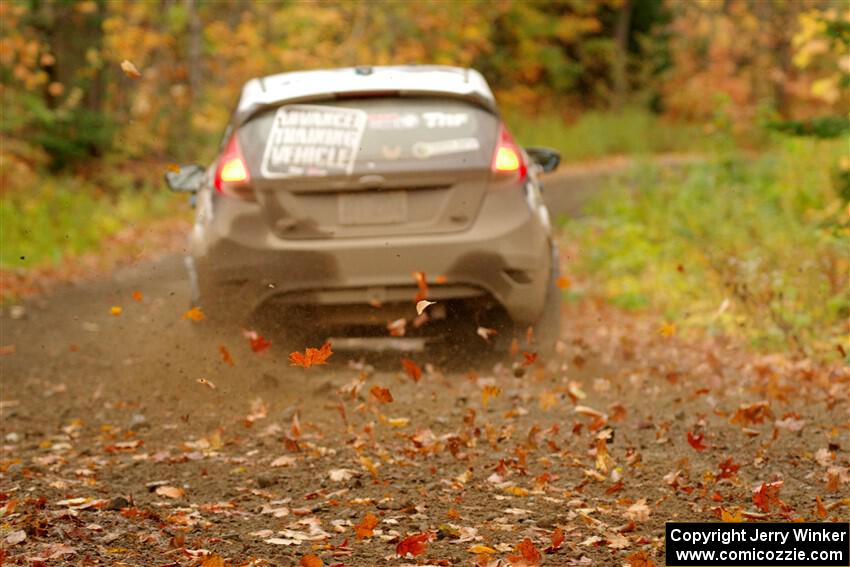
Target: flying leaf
{"type": "Point", "coordinates": [412, 369]}
{"type": "Point", "coordinates": [257, 341]}
{"type": "Point", "coordinates": [488, 392]}
{"type": "Point", "coordinates": [422, 305]}
{"type": "Point", "coordinates": [529, 358]}
{"type": "Point", "coordinates": [667, 330]}
{"type": "Point", "coordinates": [382, 395]}
{"type": "Point", "coordinates": [137, 295]}
{"type": "Point", "coordinates": [130, 69]}
{"type": "Point", "coordinates": [820, 509]}
{"type": "Point", "coordinates": [366, 526]}
{"type": "Point", "coordinates": [207, 383]}
{"type": "Point", "coordinates": [194, 314]}
{"type": "Point", "coordinates": [397, 328]}
{"type": "Point", "coordinates": [695, 441]}
{"type": "Point", "coordinates": [414, 545]}
{"type": "Point", "coordinates": [422, 285]}
{"type": "Point", "coordinates": [225, 355]}
{"type": "Point", "coordinates": [311, 561]}
{"type": "Point", "coordinates": [115, 310]}
{"type": "Point", "coordinates": [311, 357]}
{"type": "Point", "coordinates": [564, 282]}
{"type": "Point", "coordinates": [486, 333]}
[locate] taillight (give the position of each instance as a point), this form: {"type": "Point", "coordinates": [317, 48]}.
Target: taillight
{"type": "Point", "coordinates": [508, 157]}
{"type": "Point", "coordinates": [232, 171]}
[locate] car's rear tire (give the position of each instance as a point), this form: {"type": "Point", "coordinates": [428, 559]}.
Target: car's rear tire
{"type": "Point", "coordinates": [547, 328]}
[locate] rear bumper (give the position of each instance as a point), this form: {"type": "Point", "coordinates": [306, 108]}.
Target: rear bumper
{"type": "Point", "coordinates": [504, 254]}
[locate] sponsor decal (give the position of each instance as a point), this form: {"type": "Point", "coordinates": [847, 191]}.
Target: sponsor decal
{"type": "Point", "coordinates": [312, 140]}
{"type": "Point", "coordinates": [424, 150]}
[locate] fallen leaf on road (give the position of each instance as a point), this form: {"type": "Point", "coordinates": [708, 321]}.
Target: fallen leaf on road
{"type": "Point", "coordinates": [752, 413]}
{"type": "Point", "coordinates": [170, 492]}
{"type": "Point", "coordinates": [478, 549]}
{"type": "Point", "coordinates": [130, 69]}
{"type": "Point", "coordinates": [414, 545]}
{"type": "Point", "coordinates": [639, 559]}
{"type": "Point", "coordinates": [311, 561]}
{"type": "Point", "coordinates": [115, 310]}
{"type": "Point", "coordinates": [341, 475]}
{"type": "Point", "coordinates": [284, 461]}
{"type": "Point", "coordinates": [16, 537]}
{"type": "Point", "coordinates": [527, 554]}
{"type": "Point", "coordinates": [137, 295]}
{"type": "Point", "coordinates": [667, 330]}
{"type": "Point", "coordinates": [557, 541]}
{"type": "Point", "coordinates": [365, 528]}
{"type": "Point", "coordinates": [382, 395]}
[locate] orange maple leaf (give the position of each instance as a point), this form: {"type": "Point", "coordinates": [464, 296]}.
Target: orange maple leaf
{"type": "Point", "coordinates": [311, 561]}
{"type": "Point", "coordinates": [414, 545]}
{"type": "Point", "coordinates": [728, 469]}
{"type": "Point", "coordinates": [422, 284]}
{"type": "Point", "coordinates": [225, 355]}
{"type": "Point", "coordinates": [194, 314]}
{"type": "Point", "coordinates": [412, 369]}
{"type": "Point", "coordinates": [311, 357]}
{"type": "Point", "coordinates": [366, 526]}
{"type": "Point", "coordinates": [137, 295]}
{"type": "Point", "coordinates": [530, 358]}
{"type": "Point", "coordinates": [383, 395]}
{"type": "Point", "coordinates": [695, 441]}
{"type": "Point", "coordinates": [528, 554]}
{"type": "Point", "coordinates": [767, 494]}
{"type": "Point", "coordinates": [640, 559]}
{"type": "Point", "coordinates": [820, 509]}
{"type": "Point", "coordinates": [557, 541]}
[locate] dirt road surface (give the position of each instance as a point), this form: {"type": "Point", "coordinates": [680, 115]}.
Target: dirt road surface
{"type": "Point", "coordinates": [117, 449]}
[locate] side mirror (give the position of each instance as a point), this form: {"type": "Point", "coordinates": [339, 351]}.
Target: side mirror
{"type": "Point", "coordinates": [187, 179]}
{"type": "Point", "coordinates": [546, 158]}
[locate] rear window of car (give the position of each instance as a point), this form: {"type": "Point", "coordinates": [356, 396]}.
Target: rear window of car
{"type": "Point", "coordinates": [357, 136]}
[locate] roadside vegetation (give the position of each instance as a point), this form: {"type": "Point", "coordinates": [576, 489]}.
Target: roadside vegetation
{"type": "Point", "coordinates": [754, 247]}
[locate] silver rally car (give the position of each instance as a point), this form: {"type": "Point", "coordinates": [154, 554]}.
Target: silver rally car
{"type": "Point", "coordinates": [340, 197]}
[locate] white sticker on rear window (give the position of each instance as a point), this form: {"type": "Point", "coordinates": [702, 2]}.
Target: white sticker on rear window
{"type": "Point", "coordinates": [313, 140]}
{"type": "Point", "coordinates": [424, 150]}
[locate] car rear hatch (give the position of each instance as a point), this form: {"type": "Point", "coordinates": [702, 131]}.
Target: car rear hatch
{"type": "Point", "coordinates": [380, 165]}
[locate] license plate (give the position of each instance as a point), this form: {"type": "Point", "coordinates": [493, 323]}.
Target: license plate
{"type": "Point", "coordinates": [378, 207]}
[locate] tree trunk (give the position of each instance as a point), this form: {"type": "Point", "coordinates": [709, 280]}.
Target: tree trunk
{"type": "Point", "coordinates": [621, 54]}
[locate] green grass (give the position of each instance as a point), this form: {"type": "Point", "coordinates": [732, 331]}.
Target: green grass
{"type": "Point", "coordinates": [68, 216]}
{"type": "Point", "coordinates": [768, 238]}
{"type": "Point", "coordinates": [599, 134]}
